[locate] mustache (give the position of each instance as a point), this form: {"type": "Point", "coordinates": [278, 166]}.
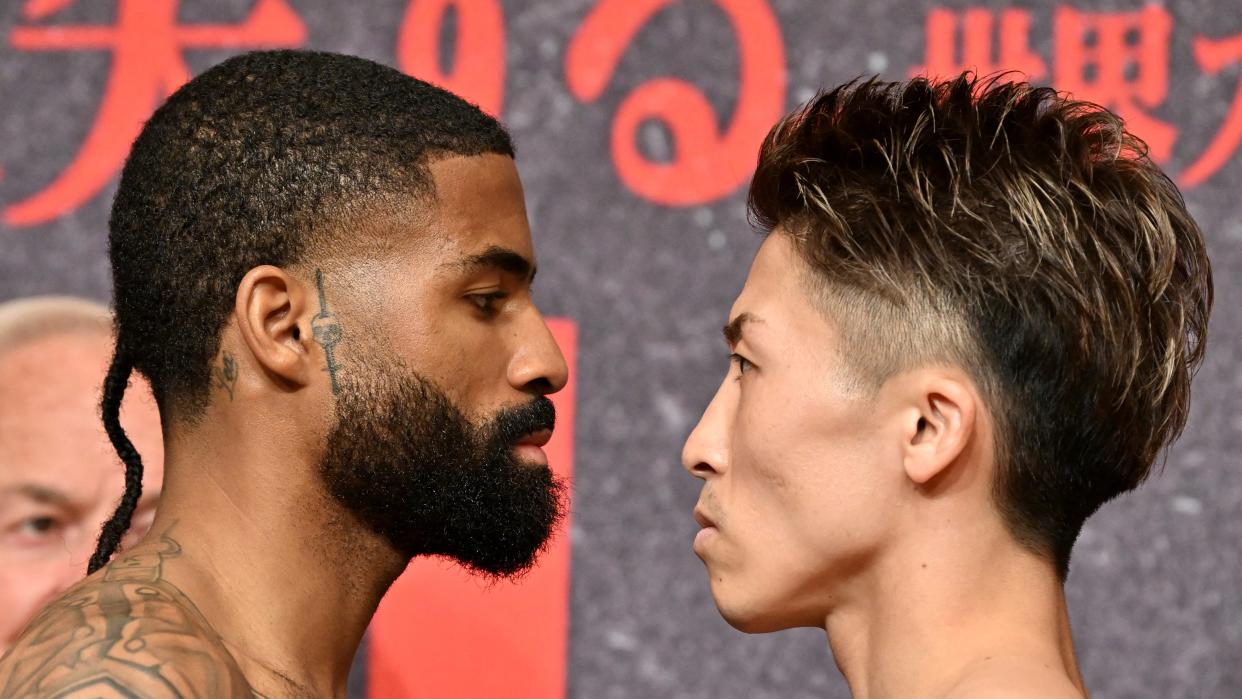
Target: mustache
{"type": "Point", "coordinates": [510, 424]}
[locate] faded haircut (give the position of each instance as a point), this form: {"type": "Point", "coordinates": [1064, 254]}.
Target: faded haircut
{"type": "Point", "coordinates": [1017, 233]}
{"type": "Point", "coordinates": [265, 158]}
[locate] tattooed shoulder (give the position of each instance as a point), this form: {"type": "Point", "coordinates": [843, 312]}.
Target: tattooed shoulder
{"type": "Point", "coordinates": [123, 633]}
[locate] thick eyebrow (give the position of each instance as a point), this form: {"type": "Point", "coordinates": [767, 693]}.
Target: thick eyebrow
{"type": "Point", "coordinates": [38, 493]}
{"type": "Point", "coordinates": [733, 331]}
{"type": "Point", "coordinates": [503, 259]}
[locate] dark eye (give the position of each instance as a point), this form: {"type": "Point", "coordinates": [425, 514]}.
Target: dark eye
{"type": "Point", "coordinates": [487, 302]}
{"type": "Point", "coordinates": [38, 526]}
{"type": "Point", "coordinates": [743, 364]}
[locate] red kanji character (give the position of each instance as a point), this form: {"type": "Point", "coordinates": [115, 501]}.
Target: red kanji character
{"type": "Point", "coordinates": [1213, 55]}
{"type": "Point", "coordinates": [1119, 60]}
{"type": "Point", "coordinates": [709, 162]}
{"type": "Point", "coordinates": [147, 66]}
{"type": "Point", "coordinates": [478, 65]}
{"type": "Point", "coordinates": [977, 53]}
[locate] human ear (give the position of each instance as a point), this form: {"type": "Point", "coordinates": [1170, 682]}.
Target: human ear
{"type": "Point", "coordinates": [941, 423]}
{"type": "Point", "coordinates": [270, 310]}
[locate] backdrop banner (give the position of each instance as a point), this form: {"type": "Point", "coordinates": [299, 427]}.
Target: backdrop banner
{"type": "Point", "coordinates": [637, 123]}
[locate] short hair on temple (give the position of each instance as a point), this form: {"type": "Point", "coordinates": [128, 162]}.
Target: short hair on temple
{"type": "Point", "coordinates": [1022, 235]}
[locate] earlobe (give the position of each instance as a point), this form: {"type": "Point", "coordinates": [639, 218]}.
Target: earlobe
{"type": "Point", "coordinates": [270, 310]}
{"type": "Point", "coordinates": [942, 423]}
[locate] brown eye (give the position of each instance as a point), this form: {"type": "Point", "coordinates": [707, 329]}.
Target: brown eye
{"type": "Point", "coordinates": [487, 302]}
{"type": "Point", "coordinates": [38, 525]}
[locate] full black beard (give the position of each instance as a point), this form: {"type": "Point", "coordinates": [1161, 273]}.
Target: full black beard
{"type": "Point", "coordinates": [409, 464]}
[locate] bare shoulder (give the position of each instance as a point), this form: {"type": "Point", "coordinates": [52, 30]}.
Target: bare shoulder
{"type": "Point", "coordinates": [1015, 679]}
{"type": "Point", "coordinates": [123, 632]}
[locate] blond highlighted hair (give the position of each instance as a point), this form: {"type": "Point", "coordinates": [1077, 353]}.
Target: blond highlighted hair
{"type": "Point", "coordinates": [1020, 234]}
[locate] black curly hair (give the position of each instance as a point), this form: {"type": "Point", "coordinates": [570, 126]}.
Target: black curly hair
{"type": "Point", "coordinates": [254, 162]}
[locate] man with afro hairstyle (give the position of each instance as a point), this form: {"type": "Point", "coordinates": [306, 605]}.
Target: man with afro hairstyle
{"type": "Point", "coordinates": [323, 268]}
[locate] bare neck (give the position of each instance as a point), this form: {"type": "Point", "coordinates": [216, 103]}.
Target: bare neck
{"type": "Point", "coordinates": [286, 577]}
{"type": "Point", "coordinates": [938, 616]}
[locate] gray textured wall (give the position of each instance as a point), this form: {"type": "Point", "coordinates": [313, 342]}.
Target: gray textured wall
{"type": "Point", "coordinates": [1154, 589]}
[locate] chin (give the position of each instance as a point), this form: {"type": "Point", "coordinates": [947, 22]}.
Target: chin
{"type": "Point", "coordinates": [751, 615]}
{"type": "Point", "coordinates": [755, 623]}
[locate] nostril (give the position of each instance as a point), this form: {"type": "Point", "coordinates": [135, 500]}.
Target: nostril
{"type": "Point", "coordinates": [541, 386]}
{"type": "Point", "coordinates": [702, 469]}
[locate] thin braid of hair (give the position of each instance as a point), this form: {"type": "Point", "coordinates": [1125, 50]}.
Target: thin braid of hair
{"type": "Point", "coordinates": [116, 526]}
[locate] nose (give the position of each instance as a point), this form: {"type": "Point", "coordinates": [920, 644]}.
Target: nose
{"type": "Point", "coordinates": [706, 452]}
{"type": "Point", "coordinates": [537, 366]}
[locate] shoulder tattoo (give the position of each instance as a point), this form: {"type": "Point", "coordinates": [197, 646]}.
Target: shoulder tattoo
{"type": "Point", "coordinates": [128, 633]}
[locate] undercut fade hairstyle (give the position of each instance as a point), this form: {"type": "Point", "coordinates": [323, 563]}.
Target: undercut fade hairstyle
{"type": "Point", "coordinates": [1021, 235]}
{"type": "Point", "coordinates": [264, 159]}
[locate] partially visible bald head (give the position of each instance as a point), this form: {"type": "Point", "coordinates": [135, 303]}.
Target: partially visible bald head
{"type": "Point", "coordinates": [32, 319]}
{"type": "Point", "coordinates": [59, 476]}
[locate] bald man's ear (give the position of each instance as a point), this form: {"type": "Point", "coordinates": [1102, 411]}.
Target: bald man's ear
{"type": "Point", "coordinates": [941, 424]}
{"type": "Point", "coordinates": [271, 313]}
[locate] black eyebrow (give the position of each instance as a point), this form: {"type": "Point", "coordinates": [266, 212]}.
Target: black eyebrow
{"type": "Point", "coordinates": [733, 331]}
{"type": "Point", "coordinates": [504, 259]}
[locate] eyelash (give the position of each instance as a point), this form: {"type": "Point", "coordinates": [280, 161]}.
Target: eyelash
{"type": "Point", "coordinates": [24, 526]}
{"type": "Point", "coordinates": [484, 302]}
{"type": "Point", "coordinates": [743, 364]}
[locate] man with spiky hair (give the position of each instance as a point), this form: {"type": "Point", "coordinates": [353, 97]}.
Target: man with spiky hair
{"type": "Point", "coordinates": [323, 267]}
{"type": "Point", "coordinates": [973, 320]}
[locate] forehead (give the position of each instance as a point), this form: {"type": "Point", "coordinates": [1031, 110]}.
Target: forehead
{"type": "Point", "coordinates": [62, 370]}
{"type": "Point", "coordinates": [480, 203]}
{"type": "Point", "coordinates": [49, 418]}
{"type": "Point", "coordinates": [49, 390]}
{"type": "Point", "coordinates": [776, 294]}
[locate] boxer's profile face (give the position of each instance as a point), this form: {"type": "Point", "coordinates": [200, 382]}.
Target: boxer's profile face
{"type": "Point", "coordinates": [439, 424]}
{"type": "Point", "coordinates": [800, 468]}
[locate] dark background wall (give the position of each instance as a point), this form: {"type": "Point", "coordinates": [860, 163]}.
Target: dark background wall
{"type": "Point", "coordinates": [648, 271]}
